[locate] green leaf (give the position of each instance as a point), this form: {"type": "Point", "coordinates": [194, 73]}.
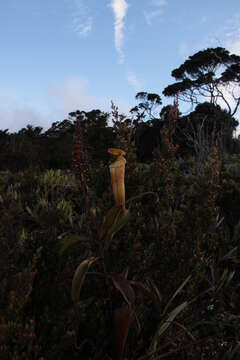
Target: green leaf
{"type": "Point", "coordinates": [230, 255]}
{"type": "Point", "coordinates": [176, 293]}
{"type": "Point", "coordinates": [115, 219]}
{"type": "Point", "coordinates": [230, 277]}
{"type": "Point", "coordinates": [222, 280]}
{"type": "Point", "coordinates": [121, 220]}
{"type": "Point", "coordinates": [150, 289]}
{"type": "Point", "coordinates": [79, 277]}
{"type": "Point", "coordinates": [165, 324]}
{"type": "Point", "coordinates": [110, 219]}
{"type": "Point", "coordinates": [70, 241]}
{"type": "Point", "coordinates": [29, 211]}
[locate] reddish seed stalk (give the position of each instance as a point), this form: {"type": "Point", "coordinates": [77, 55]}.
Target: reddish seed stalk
{"type": "Point", "coordinates": [78, 161]}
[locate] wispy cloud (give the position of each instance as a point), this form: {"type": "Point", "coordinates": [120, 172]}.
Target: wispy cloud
{"type": "Point", "coordinates": [82, 29]}
{"type": "Point", "coordinates": [59, 99]}
{"type": "Point", "coordinates": [134, 81]}
{"type": "Point", "coordinates": [15, 115]}
{"type": "Point", "coordinates": [183, 50]}
{"type": "Point", "coordinates": [232, 41]}
{"type": "Point", "coordinates": [227, 35]}
{"type": "Point", "coordinates": [75, 93]}
{"type": "Point", "coordinates": [82, 21]}
{"type": "Point", "coordinates": [119, 8]}
{"type": "Point", "coordinates": [70, 95]}
{"type": "Point", "coordinates": [156, 10]}
{"type": "Point", "coordinates": [230, 93]}
{"type": "Point", "coordinates": [203, 19]}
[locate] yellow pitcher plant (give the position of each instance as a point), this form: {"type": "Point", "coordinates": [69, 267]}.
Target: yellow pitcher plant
{"type": "Point", "coordinates": [117, 172]}
{"type": "Point", "coordinates": [118, 215]}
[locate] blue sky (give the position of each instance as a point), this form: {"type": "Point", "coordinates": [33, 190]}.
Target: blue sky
{"type": "Point", "coordinates": [61, 55]}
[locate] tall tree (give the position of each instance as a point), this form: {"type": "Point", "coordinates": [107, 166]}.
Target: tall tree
{"type": "Point", "coordinates": [148, 122]}
{"type": "Point", "coordinates": [148, 106]}
{"type": "Point", "coordinates": [97, 135]}
{"type": "Point", "coordinates": [198, 132]}
{"type": "Point", "coordinates": [209, 75]}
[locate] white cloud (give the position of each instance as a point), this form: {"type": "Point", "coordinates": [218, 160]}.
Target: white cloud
{"type": "Point", "coordinates": [232, 43]}
{"type": "Point", "coordinates": [134, 81]}
{"type": "Point", "coordinates": [119, 8]}
{"type": "Point", "coordinates": [156, 10]}
{"type": "Point", "coordinates": [203, 19]}
{"type": "Point", "coordinates": [183, 50]}
{"type": "Point", "coordinates": [75, 94]}
{"type": "Point", "coordinates": [81, 20]}
{"type": "Point", "coordinates": [72, 94]}
{"type": "Point", "coordinates": [227, 35]}
{"type": "Point", "coordinates": [58, 100]}
{"type": "Point", "coordinates": [150, 15]}
{"type": "Point", "coordinates": [232, 37]}
{"type": "Point", "coordinates": [234, 46]}
{"type": "Point", "coordinates": [229, 94]}
{"type": "Point", "coordinates": [159, 2]}
{"type": "Point", "coordinates": [15, 116]}
{"type": "Point", "coordinates": [82, 29]}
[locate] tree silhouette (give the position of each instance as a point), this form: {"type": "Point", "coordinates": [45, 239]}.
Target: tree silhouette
{"type": "Point", "coordinates": [97, 135]}
{"type": "Point", "coordinates": [212, 74]}
{"type": "Point", "coordinates": [198, 131]}
{"type": "Point", "coordinates": [147, 108]}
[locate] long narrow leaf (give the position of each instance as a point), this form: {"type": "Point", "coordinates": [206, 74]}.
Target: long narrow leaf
{"type": "Point", "coordinates": [70, 241]}
{"type": "Point", "coordinates": [230, 255]}
{"type": "Point", "coordinates": [223, 279]}
{"type": "Point", "coordinates": [124, 286]}
{"type": "Point", "coordinates": [230, 277]}
{"type": "Point", "coordinates": [176, 293]}
{"type": "Point", "coordinates": [79, 277]}
{"type": "Point", "coordinates": [165, 324]}
{"type": "Point", "coordinates": [122, 219]}
{"type": "Point", "coordinates": [122, 319]}
{"type": "Point", "coordinates": [110, 219]}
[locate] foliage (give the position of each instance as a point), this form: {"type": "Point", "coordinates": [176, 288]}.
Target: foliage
{"type": "Point", "coordinates": [198, 132]}
{"type": "Point", "coordinates": [207, 74]}
{"type": "Point", "coordinates": [86, 273]}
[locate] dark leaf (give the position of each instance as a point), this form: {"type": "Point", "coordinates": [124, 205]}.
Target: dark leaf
{"type": "Point", "coordinates": [79, 277]}
{"type": "Point", "coordinates": [122, 319]}
{"type": "Point", "coordinates": [124, 286]}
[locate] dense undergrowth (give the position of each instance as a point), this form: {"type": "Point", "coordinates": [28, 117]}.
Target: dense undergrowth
{"type": "Point", "coordinates": [166, 285]}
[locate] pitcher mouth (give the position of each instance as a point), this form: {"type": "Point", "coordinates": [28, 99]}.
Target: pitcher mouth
{"type": "Point", "coordinates": [116, 152]}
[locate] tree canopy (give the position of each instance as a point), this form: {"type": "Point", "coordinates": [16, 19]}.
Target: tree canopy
{"type": "Point", "coordinates": [148, 107]}
{"type": "Point", "coordinates": [212, 74]}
